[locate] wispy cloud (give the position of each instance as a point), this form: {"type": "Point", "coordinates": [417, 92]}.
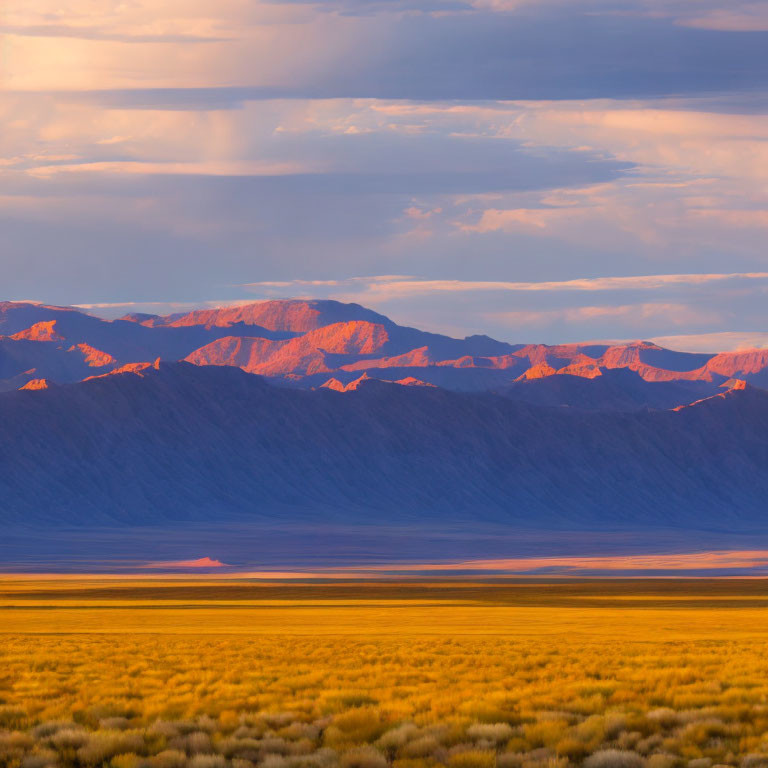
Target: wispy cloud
{"type": "Point", "coordinates": [719, 341]}
{"type": "Point", "coordinates": [644, 314]}
{"type": "Point", "coordinates": [395, 286]}
{"type": "Point", "coordinates": [100, 33]}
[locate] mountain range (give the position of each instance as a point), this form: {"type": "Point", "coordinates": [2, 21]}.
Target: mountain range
{"type": "Point", "coordinates": [312, 413]}
{"type": "Point", "coordinates": [307, 344]}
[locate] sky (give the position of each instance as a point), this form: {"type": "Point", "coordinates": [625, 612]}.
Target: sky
{"type": "Point", "coordinates": [537, 170]}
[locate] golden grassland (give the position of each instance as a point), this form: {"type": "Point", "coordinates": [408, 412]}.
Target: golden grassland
{"type": "Point", "coordinates": [228, 674]}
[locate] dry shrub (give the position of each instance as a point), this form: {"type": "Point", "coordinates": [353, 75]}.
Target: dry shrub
{"type": "Point", "coordinates": [69, 738]}
{"type": "Point", "coordinates": [573, 749]}
{"type": "Point", "coordinates": [40, 760]}
{"type": "Point", "coordinates": [125, 761]}
{"type": "Point", "coordinates": [338, 701]}
{"type": "Point", "coordinates": [169, 758]}
{"type": "Point", "coordinates": [614, 758]}
{"type": "Point", "coordinates": [510, 760]}
{"type": "Point", "coordinates": [15, 742]}
{"type": "Point", "coordinates": [363, 757]}
{"type": "Point", "coordinates": [424, 746]}
{"type": "Point", "coordinates": [416, 762]}
{"type": "Point", "coordinates": [613, 725]}
{"type": "Point", "coordinates": [207, 761]}
{"type": "Point", "coordinates": [545, 733]}
{"type": "Point", "coordinates": [278, 719]}
{"type": "Point", "coordinates": [662, 717]}
{"type": "Point", "coordinates": [487, 712]}
{"type": "Point", "coordinates": [649, 745]}
{"type": "Point", "coordinates": [543, 758]}
{"type": "Point", "coordinates": [754, 761]}
{"type": "Point", "coordinates": [163, 729]}
{"type": "Point", "coordinates": [473, 758]}
{"type": "Point", "coordinates": [496, 732]}
{"type": "Point", "coordinates": [274, 761]}
{"type": "Point", "coordinates": [354, 727]}
{"type": "Point", "coordinates": [229, 720]}
{"type": "Point", "coordinates": [662, 760]}
{"type": "Point", "coordinates": [274, 746]}
{"type": "Point", "coordinates": [104, 745]}
{"type": "Point", "coordinates": [629, 741]}
{"type": "Point", "coordinates": [198, 743]}
{"type": "Point", "coordinates": [249, 749]}
{"type": "Point", "coordinates": [301, 747]}
{"type": "Point", "coordinates": [321, 758]}
{"type": "Point", "coordinates": [12, 717]}
{"type": "Point", "coordinates": [114, 724]}
{"type": "Point", "coordinates": [48, 729]}
{"type": "Point", "coordinates": [299, 730]}
{"type": "Point", "coordinates": [395, 738]}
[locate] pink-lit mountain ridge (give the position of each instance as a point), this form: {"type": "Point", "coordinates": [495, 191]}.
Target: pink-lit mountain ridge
{"type": "Point", "coordinates": [307, 343]}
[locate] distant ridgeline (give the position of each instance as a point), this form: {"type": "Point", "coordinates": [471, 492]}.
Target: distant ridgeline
{"type": "Point", "coordinates": [309, 343]}
{"type": "Point", "coordinates": [159, 420]}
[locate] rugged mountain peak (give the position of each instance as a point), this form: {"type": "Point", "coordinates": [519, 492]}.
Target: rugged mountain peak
{"type": "Point", "coordinates": [137, 369]}
{"type": "Point", "coordinates": [43, 331]}
{"type": "Point", "coordinates": [335, 385]}
{"type": "Point", "coordinates": [739, 389]}
{"type": "Point", "coordinates": [745, 362]}
{"type": "Point", "coordinates": [357, 337]}
{"type": "Point", "coordinates": [410, 381]}
{"type": "Point", "coordinates": [93, 358]}
{"type": "Point", "coordinates": [353, 385]}
{"type": "Point", "coordinates": [416, 358]}
{"type": "Point", "coordinates": [538, 371]}
{"type": "Point", "coordinates": [297, 315]}
{"type": "Point", "coordinates": [338, 386]}
{"type": "Point", "coordinates": [304, 354]}
{"type": "Point", "coordinates": [736, 384]}
{"type": "Point", "coordinates": [582, 366]}
{"type": "Point", "coordinates": [36, 384]}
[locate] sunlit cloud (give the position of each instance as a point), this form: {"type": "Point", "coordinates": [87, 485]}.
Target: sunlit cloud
{"type": "Point", "coordinates": [401, 286]}
{"type": "Point", "coordinates": [722, 341]}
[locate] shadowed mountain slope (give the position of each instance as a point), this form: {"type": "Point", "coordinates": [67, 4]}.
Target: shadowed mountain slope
{"type": "Point", "coordinates": [182, 442]}
{"type": "Point", "coordinates": [619, 389]}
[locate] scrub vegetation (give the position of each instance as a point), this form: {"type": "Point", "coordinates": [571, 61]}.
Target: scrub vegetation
{"type": "Point", "coordinates": [639, 677]}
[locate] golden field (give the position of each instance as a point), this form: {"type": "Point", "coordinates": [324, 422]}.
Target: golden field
{"type": "Point", "coordinates": [227, 673]}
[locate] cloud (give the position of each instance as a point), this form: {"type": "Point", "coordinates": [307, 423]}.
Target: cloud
{"type": "Point", "coordinates": [616, 307]}
{"type": "Point", "coordinates": [740, 17]}
{"type": "Point", "coordinates": [98, 33]}
{"type": "Point", "coordinates": [718, 341]}
{"type": "Point", "coordinates": [646, 315]}
{"type": "Point", "coordinates": [393, 286]}
{"type": "Point", "coordinates": [371, 7]}
{"type": "Point", "coordinates": [550, 50]}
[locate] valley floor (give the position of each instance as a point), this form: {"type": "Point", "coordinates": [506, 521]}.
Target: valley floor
{"type": "Point", "coordinates": [519, 674]}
